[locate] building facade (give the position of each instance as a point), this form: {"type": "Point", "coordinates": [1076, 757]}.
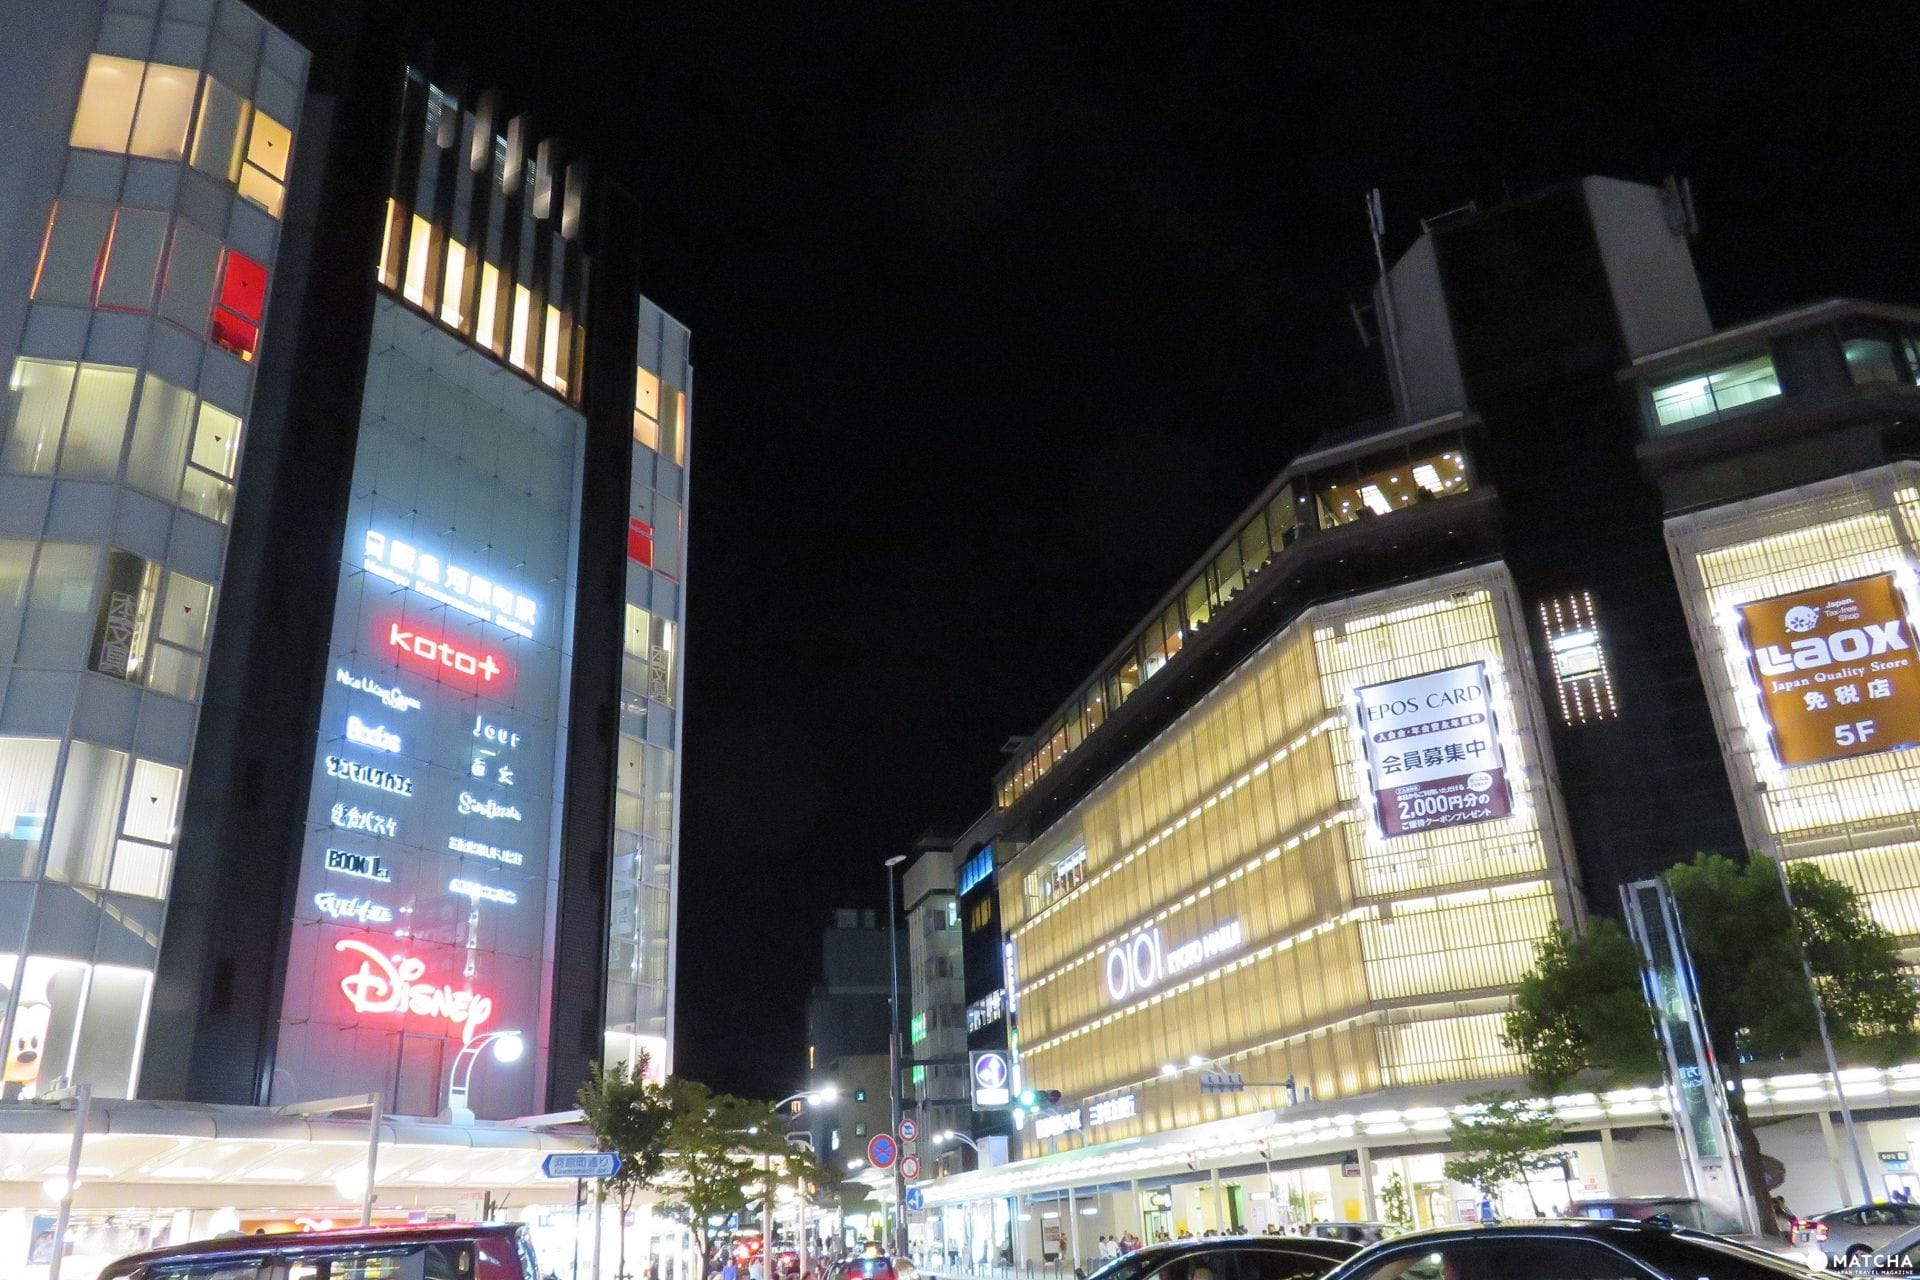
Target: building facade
{"type": "Point", "coordinates": [343, 484]}
{"type": "Point", "coordinates": [1429, 698]}
{"type": "Point", "coordinates": [935, 1093]}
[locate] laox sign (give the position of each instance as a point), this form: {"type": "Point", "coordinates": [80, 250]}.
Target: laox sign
{"type": "Point", "coordinates": [391, 984]}
{"type": "Point", "coordinates": [1851, 645]}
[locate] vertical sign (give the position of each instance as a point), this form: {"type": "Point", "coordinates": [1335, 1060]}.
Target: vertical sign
{"type": "Point", "coordinates": [1432, 750]}
{"type": "Point", "coordinates": [1708, 1149]}
{"type": "Point", "coordinates": [1836, 670]}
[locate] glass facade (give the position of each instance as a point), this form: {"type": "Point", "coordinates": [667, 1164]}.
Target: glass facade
{"type": "Point", "coordinates": [1236, 891]}
{"type": "Point", "coordinates": [640, 955]}
{"type": "Point", "coordinates": [422, 918]}
{"type": "Point", "coordinates": [121, 435]}
{"type": "Point", "coordinates": [1812, 783]}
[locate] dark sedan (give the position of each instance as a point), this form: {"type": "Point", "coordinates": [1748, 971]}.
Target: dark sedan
{"type": "Point", "coordinates": [1230, 1258]}
{"type": "Point", "coordinates": [1574, 1249]}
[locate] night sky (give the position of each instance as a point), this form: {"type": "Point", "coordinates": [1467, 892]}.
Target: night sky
{"type": "Point", "coordinates": [1002, 310]}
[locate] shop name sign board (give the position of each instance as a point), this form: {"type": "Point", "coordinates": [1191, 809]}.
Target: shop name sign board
{"type": "Point", "coordinates": [1144, 961]}
{"type": "Point", "coordinates": [392, 984]}
{"type": "Point", "coordinates": [1836, 670]}
{"type": "Point", "coordinates": [987, 1010]}
{"type": "Point", "coordinates": [1432, 750]}
{"type": "Point", "coordinates": [1095, 1114]}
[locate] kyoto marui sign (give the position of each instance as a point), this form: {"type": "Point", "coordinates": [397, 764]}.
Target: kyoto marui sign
{"type": "Point", "coordinates": [1433, 750]}
{"type": "Point", "coordinates": [1836, 669]}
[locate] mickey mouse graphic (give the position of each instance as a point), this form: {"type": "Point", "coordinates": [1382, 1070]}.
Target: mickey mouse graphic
{"type": "Point", "coordinates": [26, 1049]}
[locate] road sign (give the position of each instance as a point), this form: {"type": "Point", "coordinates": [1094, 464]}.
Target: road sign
{"type": "Point", "coordinates": [992, 1074]}
{"type": "Point", "coordinates": [909, 1131]}
{"type": "Point", "coordinates": [1222, 1082]}
{"type": "Point", "coordinates": [916, 1198]}
{"type": "Point", "coordinates": [581, 1164]}
{"type": "Point", "coordinates": [882, 1151]}
{"type": "Point", "coordinates": [910, 1168]}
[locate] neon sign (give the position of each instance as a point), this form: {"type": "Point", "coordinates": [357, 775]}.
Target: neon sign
{"type": "Point", "coordinates": [487, 808]}
{"type": "Point", "coordinates": [368, 866]}
{"type": "Point", "coordinates": [460, 844]}
{"type": "Point", "coordinates": [369, 776]}
{"type": "Point", "coordinates": [482, 892]}
{"type": "Point", "coordinates": [351, 817]}
{"type": "Point", "coordinates": [360, 910]}
{"type": "Point", "coordinates": [1142, 961]}
{"type": "Point", "coordinates": [376, 736]}
{"type": "Point", "coordinates": [391, 984]}
{"type": "Point", "coordinates": [405, 565]}
{"type": "Point", "coordinates": [395, 700]}
{"type": "Point", "coordinates": [444, 656]}
{"type": "Point", "coordinates": [487, 731]}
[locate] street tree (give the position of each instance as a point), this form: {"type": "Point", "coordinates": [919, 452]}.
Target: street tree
{"type": "Point", "coordinates": [1582, 1009]}
{"type": "Point", "coordinates": [720, 1150]}
{"type": "Point", "coordinates": [630, 1116]}
{"type": "Point", "coordinates": [1502, 1139]}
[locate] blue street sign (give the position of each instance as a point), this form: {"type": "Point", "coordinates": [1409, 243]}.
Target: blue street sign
{"type": "Point", "coordinates": [881, 1151]}
{"type": "Point", "coordinates": [916, 1199]}
{"type": "Point", "coordinates": [581, 1164]}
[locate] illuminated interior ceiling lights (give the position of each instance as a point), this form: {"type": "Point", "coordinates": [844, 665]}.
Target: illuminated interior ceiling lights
{"type": "Point", "coordinates": [1582, 677]}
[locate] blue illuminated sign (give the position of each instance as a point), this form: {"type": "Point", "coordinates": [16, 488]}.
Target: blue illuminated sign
{"type": "Point", "coordinates": [976, 869]}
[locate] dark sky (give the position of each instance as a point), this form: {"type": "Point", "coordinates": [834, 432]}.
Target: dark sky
{"type": "Point", "coordinates": [1002, 310]}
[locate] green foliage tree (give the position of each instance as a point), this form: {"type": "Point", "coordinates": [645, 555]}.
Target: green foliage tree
{"type": "Point", "coordinates": [1394, 1205]}
{"type": "Point", "coordinates": [722, 1154]}
{"type": "Point", "coordinates": [1582, 1009]}
{"type": "Point", "coordinates": [630, 1117]}
{"type": "Point", "coordinates": [1502, 1139]}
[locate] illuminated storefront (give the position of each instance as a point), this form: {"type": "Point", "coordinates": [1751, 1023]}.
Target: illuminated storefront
{"type": "Point", "coordinates": [1330, 869]}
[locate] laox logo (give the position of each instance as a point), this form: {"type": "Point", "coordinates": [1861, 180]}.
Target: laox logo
{"type": "Point", "coordinates": [1842, 646]}
{"type": "Point", "coordinates": [482, 666]}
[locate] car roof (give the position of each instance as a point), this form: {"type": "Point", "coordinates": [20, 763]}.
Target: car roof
{"type": "Point", "coordinates": [1603, 1227]}
{"type": "Point", "coordinates": [336, 1238]}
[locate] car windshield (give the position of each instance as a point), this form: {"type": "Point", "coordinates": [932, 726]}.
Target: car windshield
{"type": "Point", "coordinates": [1128, 1266]}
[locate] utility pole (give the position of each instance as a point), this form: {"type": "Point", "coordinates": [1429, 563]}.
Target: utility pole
{"type": "Point", "coordinates": [893, 1059]}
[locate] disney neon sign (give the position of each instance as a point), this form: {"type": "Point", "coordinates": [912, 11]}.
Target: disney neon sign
{"type": "Point", "coordinates": [391, 984]}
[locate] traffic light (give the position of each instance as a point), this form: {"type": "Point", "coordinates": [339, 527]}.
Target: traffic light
{"type": "Point", "coordinates": [1039, 1099]}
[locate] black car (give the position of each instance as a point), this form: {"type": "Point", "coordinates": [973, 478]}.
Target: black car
{"type": "Point", "coordinates": [1230, 1258]}
{"type": "Point", "coordinates": [1574, 1249]}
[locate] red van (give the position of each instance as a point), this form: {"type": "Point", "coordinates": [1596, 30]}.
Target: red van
{"type": "Point", "coordinates": [441, 1251]}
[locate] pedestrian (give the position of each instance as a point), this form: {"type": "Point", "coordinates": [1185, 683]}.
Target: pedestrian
{"type": "Point", "coordinates": [729, 1271]}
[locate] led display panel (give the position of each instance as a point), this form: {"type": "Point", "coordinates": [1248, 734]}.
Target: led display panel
{"type": "Point", "coordinates": [419, 961]}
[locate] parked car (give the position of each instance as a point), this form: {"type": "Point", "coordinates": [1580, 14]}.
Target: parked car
{"type": "Point", "coordinates": [875, 1268]}
{"type": "Point", "coordinates": [1680, 1211]}
{"type": "Point", "coordinates": [1230, 1258]}
{"type": "Point", "coordinates": [1353, 1232]}
{"type": "Point", "coordinates": [1905, 1246]}
{"type": "Point", "coordinates": [443, 1251]}
{"type": "Point", "coordinates": [1565, 1249]}
{"type": "Point", "coordinates": [1857, 1229]}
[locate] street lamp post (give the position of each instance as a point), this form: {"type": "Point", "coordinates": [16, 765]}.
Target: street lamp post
{"type": "Point", "coordinates": [823, 1096]}
{"type": "Point", "coordinates": [893, 1056]}
{"type": "Point", "coordinates": [508, 1046]}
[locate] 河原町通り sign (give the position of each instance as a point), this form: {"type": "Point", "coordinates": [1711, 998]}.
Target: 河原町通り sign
{"type": "Point", "coordinates": [1836, 669]}
{"type": "Point", "coordinates": [1433, 752]}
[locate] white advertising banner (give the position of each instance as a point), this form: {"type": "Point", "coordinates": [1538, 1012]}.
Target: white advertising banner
{"type": "Point", "coordinates": [1432, 749]}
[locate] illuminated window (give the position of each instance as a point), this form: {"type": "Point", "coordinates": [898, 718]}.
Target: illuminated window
{"type": "Point", "coordinates": [161, 426]}
{"type": "Point", "coordinates": [37, 394]}
{"type": "Point", "coordinates": [646, 409]}
{"type": "Point", "coordinates": [520, 336]}
{"type": "Point", "coordinates": [1382, 490]}
{"type": "Point", "coordinates": [132, 264]}
{"type": "Point", "coordinates": [124, 625]}
{"type": "Point", "coordinates": [86, 815]}
{"type": "Point", "coordinates": [264, 179]}
{"type": "Point", "coordinates": [1581, 675]}
{"type": "Point", "coordinates": [166, 104]}
{"type": "Point", "coordinates": [186, 297]}
{"type": "Point", "coordinates": [550, 352]}
{"type": "Point", "coordinates": [207, 486]}
{"type": "Point", "coordinates": [107, 97]}
{"type": "Point", "coordinates": [97, 422]}
{"type": "Point", "coordinates": [1707, 395]}
{"type": "Point", "coordinates": [219, 139]}
{"type": "Point", "coordinates": [456, 285]}
{"type": "Point", "coordinates": [419, 250]}
{"type": "Point", "coordinates": [26, 782]}
{"type": "Point", "coordinates": [243, 297]}
{"type": "Point", "coordinates": [178, 657]}
{"type": "Point", "coordinates": [487, 327]}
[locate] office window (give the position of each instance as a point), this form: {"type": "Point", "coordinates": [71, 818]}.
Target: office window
{"type": "Point", "coordinates": [143, 854]}
{"type": "Point", "coordinates": [264, 177]}
{"type": "Point", "coordinates": [639, 631]}
{"type": "Point", "coordinates": [243, 298]}
{"type": "Point", "coordinates": [218, 141]}
{"type": "Point", "coordinates": [667, 534]}
{"type": "Point", "coordinates": [166, 104]}
{"type": "Point", "coordinates": [85, 819]}
{"type": "Point", "coordinates": [70, 254]}
{"type": "Point", "coordinates": [520, 336]}
{"type": "Point", "coordinates": [1382, 490]}
{"type": "Point", "coordinates": [1871, 359]}
{"type": "Point", "coordinates": [37, 395]}
{"type": "Point", "coordinates": [553, 352]}
{"type": "Point", "coordinates": [123, 625]}
{"type": "Point", "coordinates": [187, 296]}
{"type": "Point", "coordinates": [1706, 395]}
{"type": "Point", "coordinates": [160, 428]}
{"type": "Point", "coordinates": [179, 654]}
{"type": "Point", "coordinates": [487, 321]}
{"type": "Point", "coordinates": [419, 259]}
{"type": "Point", "coordinates": [97, 426]}
{"type": "Point", "coordinates": [454, 290]}
{"type": "Point", "coordinates": [207, 487]}
{"type": "Point", "coordinates": [132, 259]}
{"type": "Point", "coordinates": [54, 632]}
{"type": "Point", "coordinates": [16, 569]}
{"type": "Point", "coordinates": [107, 97]}
{"type": "Point", "coordinates": [660, 660]}
{"type": "Point", "coordinates": [26, 781]}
